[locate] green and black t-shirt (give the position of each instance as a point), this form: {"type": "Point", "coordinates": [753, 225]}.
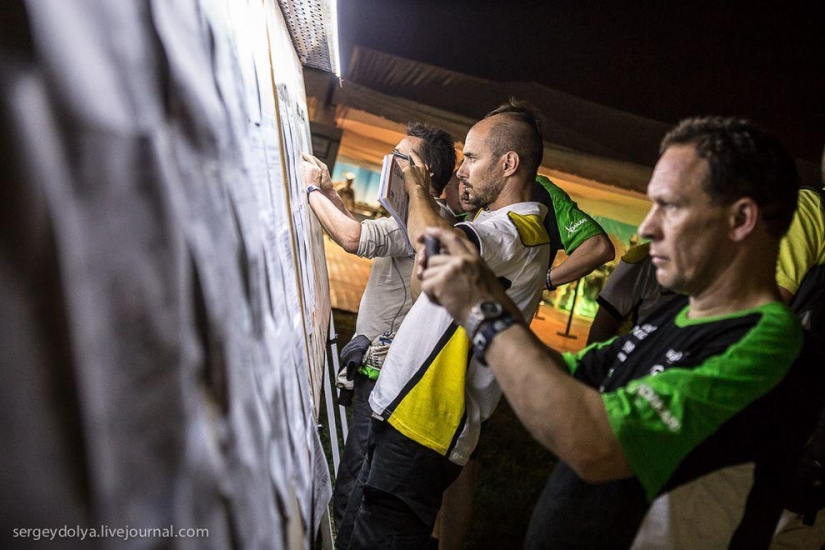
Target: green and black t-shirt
{"type": "Point", "coordinates": [707, 412]}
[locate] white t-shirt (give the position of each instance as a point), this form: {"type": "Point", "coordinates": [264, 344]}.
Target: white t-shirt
{"type": "Point", "coordinates": [386, 299]}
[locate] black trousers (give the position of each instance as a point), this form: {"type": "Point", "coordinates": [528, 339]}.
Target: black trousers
{"type": "Point", "coordinates": [355, 448]}
{"type": "Point", "coordinates": [397, 495]}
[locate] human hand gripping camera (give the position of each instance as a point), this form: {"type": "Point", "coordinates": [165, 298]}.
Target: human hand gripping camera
{"type": "Point", "coordinates": [454, 276]}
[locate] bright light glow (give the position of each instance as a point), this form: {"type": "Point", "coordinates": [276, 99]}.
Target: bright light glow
{"type": "Point", "coordinates": [335, 54]}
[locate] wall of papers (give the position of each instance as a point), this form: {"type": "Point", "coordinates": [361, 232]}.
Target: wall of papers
{"type": "Point", "coordinates": [164, 297]}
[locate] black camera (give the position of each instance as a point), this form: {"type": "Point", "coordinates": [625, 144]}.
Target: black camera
{"type": "Point", "coordinates": [431, 247]}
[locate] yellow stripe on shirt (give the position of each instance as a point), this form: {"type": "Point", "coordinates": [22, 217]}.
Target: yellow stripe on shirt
{"type": "Point", "coordinates": [432, 411]}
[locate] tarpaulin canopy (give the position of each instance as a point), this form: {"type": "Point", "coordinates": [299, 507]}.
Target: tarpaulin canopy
{"type": "Point", "coordinates": [602, 156]}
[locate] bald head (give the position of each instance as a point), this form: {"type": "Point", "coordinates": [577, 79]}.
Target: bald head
{"type": "Point", "coordinates": [515, 126]}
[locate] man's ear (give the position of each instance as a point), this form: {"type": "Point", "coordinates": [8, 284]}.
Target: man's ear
{"type": "Point", "coordinates": [511, 163]}
{"type": "Point", "coordinates": [744, 215]}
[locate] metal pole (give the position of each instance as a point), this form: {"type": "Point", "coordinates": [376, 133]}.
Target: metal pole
{"type": "Point", "coordinates": [566, 333]}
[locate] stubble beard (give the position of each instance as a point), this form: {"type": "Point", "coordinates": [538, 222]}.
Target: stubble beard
{"type": "Point", "coordinates": [486, 193]}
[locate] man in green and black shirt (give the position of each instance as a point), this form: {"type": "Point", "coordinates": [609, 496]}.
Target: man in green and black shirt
{"type": "Point", "coordinates": [678, 434]}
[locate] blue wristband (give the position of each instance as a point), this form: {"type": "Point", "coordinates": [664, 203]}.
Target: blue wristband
{"type": "Point", "coordinates": [312, 188]}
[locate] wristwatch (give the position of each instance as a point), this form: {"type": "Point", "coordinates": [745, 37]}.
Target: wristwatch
{"type": "Point", "coordinates": [484, 310]}
{"type": "Point", "coordinates": [487, 331]}
{"type": "Point", "coordinates": [312, 188]}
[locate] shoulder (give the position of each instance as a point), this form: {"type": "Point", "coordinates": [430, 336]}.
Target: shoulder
{"type": "Point", "coordinates": [768, 335]}
{"type": "Point", "coordinates": [637, 254]}
{"type": "Point", "coordinates": [508, 220]}
{"type": "Point", "coordinates": [508, 229]}
{"type": "Point", "coordinates": [547, 192]}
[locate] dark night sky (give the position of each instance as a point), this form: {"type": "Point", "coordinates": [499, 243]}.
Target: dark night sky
{"type": "Point", "coordinates": [663, 60]}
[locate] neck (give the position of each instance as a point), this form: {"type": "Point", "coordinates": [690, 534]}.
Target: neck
{"type": "Point", "coordinates": [515, 190]}
{"type": "Point", "coordinates": [748, 281]}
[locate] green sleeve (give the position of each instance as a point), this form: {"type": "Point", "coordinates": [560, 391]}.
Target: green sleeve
{"type": "Point", "coordinates": [575, 226]}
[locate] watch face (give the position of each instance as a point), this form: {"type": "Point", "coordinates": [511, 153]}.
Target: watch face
{"type": "Point", "coordinates": [490, 309]}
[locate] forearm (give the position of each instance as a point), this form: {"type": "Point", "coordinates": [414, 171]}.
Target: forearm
{"type": "Point", "coordinates": [336, 219]}
{"type": "Point", "coordinates": [592, 253]}
{"type": "Point", "coordinates": [423, 212]}
{"type": "Point", "coordinates": [563, 414]}
{"type": "Point", "coordinates": [333, 197]}
{"type": "Point", "coordinates": [415, 286]}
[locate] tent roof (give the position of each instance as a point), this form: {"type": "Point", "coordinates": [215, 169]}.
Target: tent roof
{"type": "Point", "coordinates": [603, 157]}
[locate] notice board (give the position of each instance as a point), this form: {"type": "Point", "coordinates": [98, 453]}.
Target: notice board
{"type": "Point", "coordinates": [165, 294]}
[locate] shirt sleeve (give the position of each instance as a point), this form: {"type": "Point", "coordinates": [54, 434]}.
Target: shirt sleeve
{"type": "Point", "coordinates": [626, 286]}
{"type": "Point", "coordinates": [575, 226]}
{"type": "Point", "coordinates": [382, 238]}
{"type": "Point", "coordinates": [492, 241]}
{"type": "Point", "coordinates": [803, 245]}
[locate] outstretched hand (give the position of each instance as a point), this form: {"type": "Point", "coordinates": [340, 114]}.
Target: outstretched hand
{"type": "Point", "coordinates": [315, 172]}
{"type": "Point", "coordinates": [457, 278]}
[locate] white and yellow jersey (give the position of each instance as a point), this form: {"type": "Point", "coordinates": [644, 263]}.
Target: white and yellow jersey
{"type": "Point", "coordinates": [431, 388]}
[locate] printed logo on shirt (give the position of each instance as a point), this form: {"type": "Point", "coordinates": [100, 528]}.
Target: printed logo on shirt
{"type": "Point", "coordinates": [640, 332]}
{"type": "Point", "coordinates": [574, 226]}
{"type": "Point", "coordinates": [643, 331]}
{"type": "Point", "coordinates": [672, 355]}
{"type": "Point", "coordinates": [646, 392]}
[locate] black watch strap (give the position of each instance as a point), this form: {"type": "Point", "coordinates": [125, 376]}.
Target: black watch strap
{"type": "Point", "coordinates": [487, 331]}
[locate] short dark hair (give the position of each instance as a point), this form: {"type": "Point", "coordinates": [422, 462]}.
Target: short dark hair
{"type": "Point", "coordinates": [521, 134]}
{"type": "Point", "coordinates": [744, 161]}
{"type": "Point", "coordinates": [437, 150]}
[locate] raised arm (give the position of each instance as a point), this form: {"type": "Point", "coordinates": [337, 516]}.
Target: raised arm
{"type": "Point", "coordinates": [328, 206]}
{"type": "Point", "coordinates": [423, 210]}
{"type": "Point", "coordinates": [592, 253]}
{"type": "Point", "coordinates": [563, 414]}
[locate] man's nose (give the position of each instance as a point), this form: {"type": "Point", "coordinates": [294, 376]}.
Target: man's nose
{"type": "Point", "coordinates": [461, 173]}
{"type": "Point", "coordinates": [647, 229]}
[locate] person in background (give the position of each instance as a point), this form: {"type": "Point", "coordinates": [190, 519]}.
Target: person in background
{"type": "Point", "coordinates": [387, 297]}
{"type": "Point", "coordinates": [800, 274]}
{"type": "Point", "coordinates": [452, 198]}
{"type": "Point", "coordinates": [692, 418]}
{"type": "Point", "coordinates": [630, 294]}
{"type": "Point", "coordinates": [347, 193]}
